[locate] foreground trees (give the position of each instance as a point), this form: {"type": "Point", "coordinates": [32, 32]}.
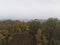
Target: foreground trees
{"type": "Point", "coordinates": [34, 32]}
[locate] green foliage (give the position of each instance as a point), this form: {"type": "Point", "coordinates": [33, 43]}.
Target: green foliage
{"type": "Point", "coordinates": [33, 32]}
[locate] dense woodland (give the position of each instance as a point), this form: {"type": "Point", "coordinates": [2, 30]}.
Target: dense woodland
{"type": "Point", "coordinates": [34, 32]}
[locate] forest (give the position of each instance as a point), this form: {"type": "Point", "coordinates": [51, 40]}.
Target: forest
{"type": "Point", "coordinates": [33, 32]}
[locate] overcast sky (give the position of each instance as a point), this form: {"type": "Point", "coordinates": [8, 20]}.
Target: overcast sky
{"type": "Point", "coordinates": [29, 9]}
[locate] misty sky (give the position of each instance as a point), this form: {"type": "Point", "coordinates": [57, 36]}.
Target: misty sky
{"type": "Point", "coordinates": [29, 9]}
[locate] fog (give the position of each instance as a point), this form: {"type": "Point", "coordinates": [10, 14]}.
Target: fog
{"type": "Point", "coordinates": [29, 9]}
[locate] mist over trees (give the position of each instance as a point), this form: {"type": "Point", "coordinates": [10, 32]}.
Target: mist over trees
{"type": "Point", "coordinates": [33, 32]}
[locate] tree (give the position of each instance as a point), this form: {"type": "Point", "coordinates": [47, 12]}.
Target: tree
{"type": "Point", "coordinates": [34, 25]}
{"type": "Point", "coordinates": [50, 27]}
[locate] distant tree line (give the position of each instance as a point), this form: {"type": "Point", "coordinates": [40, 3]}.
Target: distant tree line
{"type": "Point", "coordinates": [34, 32]}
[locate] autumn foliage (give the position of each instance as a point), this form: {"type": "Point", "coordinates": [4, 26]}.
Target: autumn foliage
{"type": "Point", "coordinates": [34, 32]}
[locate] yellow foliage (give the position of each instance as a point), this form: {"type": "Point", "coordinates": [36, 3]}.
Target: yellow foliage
{"type": "Point", "coordinates": [1, 36]}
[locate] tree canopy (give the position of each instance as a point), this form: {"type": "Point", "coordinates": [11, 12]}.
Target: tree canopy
{"type": "Point", "coordinates": [34, 32]}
